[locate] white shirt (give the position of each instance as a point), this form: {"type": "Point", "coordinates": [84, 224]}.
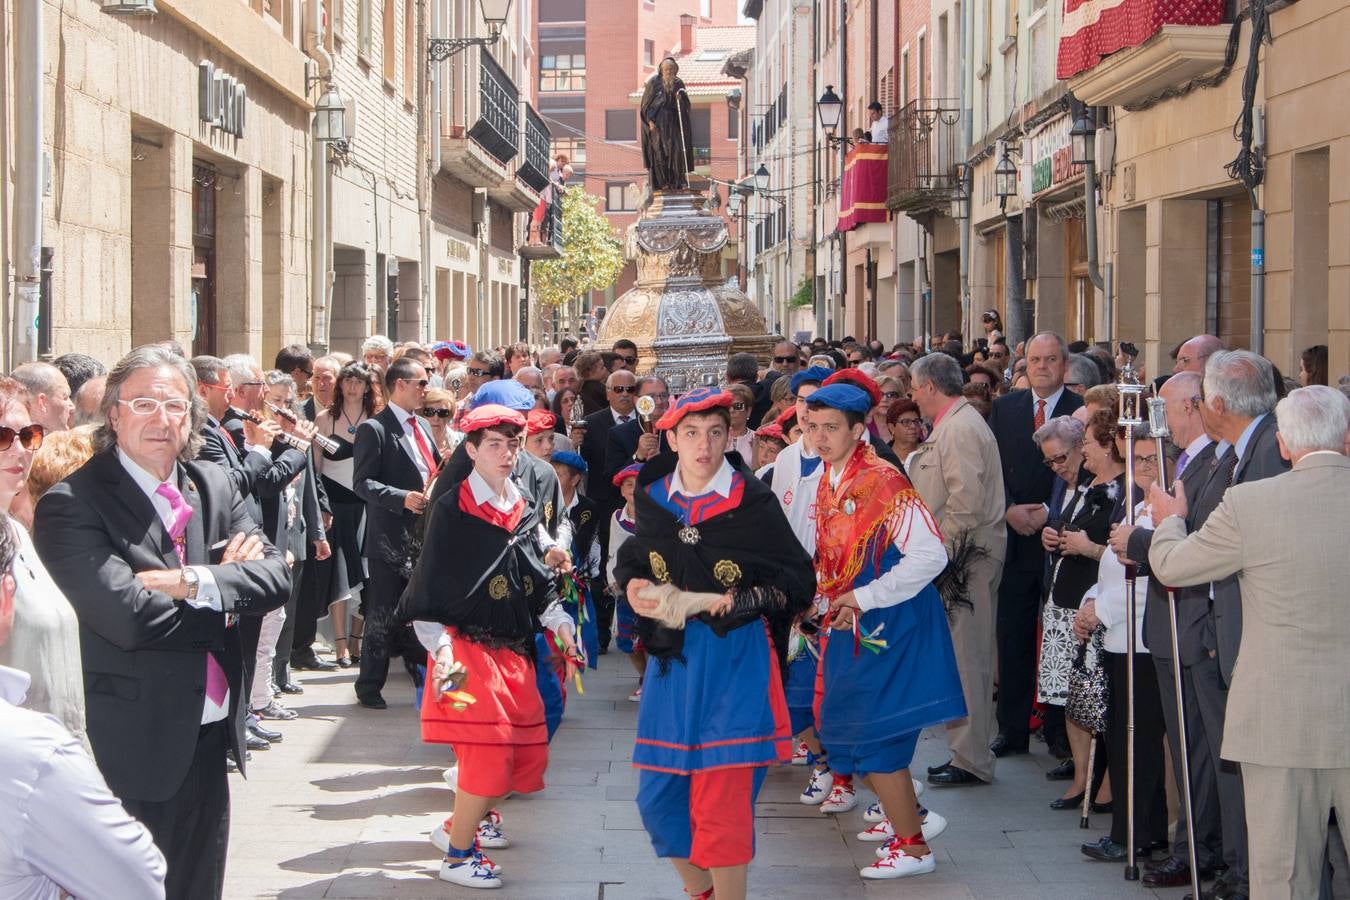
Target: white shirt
{"type": "Point", "coordinates": [796, 492]}
{"type": "Point", "coordinates": [720, 483]}
{"type": "Point", "coordinates": [61, 829]}
{"type": "Point", "coordinates": [880, 130]}
{"type": "Point", "coordinates": [410, 442]}
{"type": "Point", "coordinates": [208, 592]}
{"type": "Point", "coordinates": [1110, 594]}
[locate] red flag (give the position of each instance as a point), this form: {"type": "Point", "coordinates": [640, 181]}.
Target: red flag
{"type": "Point", "coordinates": [862, 196]}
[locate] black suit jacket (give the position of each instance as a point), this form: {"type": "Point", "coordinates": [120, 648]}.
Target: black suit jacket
{"type": "Point", "coordinates": [270, 486]}
{"type": "Point", "coordinates": [1192, 601]}
{"type": "Point", "coordinates": [1026, 479]}
{"type": "Point", "coordinates": [242, 469]}
{"type": "Point", "coordinates": [594, 449]}
{"type": "Point", "coordinates": [144, 653]}
{"type": "Point", "coordinates": [383, 474]}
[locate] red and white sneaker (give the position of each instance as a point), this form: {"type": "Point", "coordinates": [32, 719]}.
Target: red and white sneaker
{"type": "Point", "coordinates": [636, 696]}
{"type": "Point", "coordinates": [818, 788]}
{"type": "Point", "coordinates": [451, 776]}
{"type": "Point", "coordinates": [933, 825]}
{"type": "Point", "coordinates": [874, 814]}
{"type": "Point", "coordinates": [471, 872]}
{"type": "Point", "coordinates": [801, 754]}
{"type": "Point", "coordinates": [842, 798]}
{"type": "Point", "coordinates": [881, 831]}
{"type": "Point", "coordinates": [899, 864]}
{"type": "Point", "coordinates": [489, 835]}
{"type": "Point", "coordinates": [918, 788]}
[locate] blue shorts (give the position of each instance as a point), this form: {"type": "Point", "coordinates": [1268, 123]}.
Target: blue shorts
{"type": "Point", "coordinates": [882, 757]}
{"type": "Point", "coordinates": [707, 818]}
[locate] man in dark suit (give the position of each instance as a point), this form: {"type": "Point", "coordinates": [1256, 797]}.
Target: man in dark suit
{"type": "Point", "coordinates": [631, 442]}
{"type": "Point", "coordinates": [215, 388]}
{"type": "Point", "coordinates": [1199, 670]}
{"type": "Point", "coordinates": [621, 392]}
{"type": "Point", "coordinates": [157, 554]}
{"type": "Point", "coordinates": [1027, 483]}
{"type": "Point", "coordinates": [395, 457]}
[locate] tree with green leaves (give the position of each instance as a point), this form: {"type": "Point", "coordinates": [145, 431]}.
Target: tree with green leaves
{"type": "Point", "coordinates": [592, 257]}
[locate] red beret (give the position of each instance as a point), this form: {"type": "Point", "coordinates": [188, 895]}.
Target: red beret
{"type": "Point", "coordinates": [773, 431]}
{"type": "Point", "coordinates": [629, 471]}
{"type": "Point", "coordinates": [489, 415]}
{"type": "Point", "coordinates": [697, 400]}
{"type": "Point", "coordinates": [539, 421]}
{"type": "Point", "coordinates": [786, 419]}
{"type": "Point", "coordinates": [857, 379]}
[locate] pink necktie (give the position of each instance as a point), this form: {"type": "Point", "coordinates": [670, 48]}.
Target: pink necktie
{"type": "Point", "coordinates": [216, 685]}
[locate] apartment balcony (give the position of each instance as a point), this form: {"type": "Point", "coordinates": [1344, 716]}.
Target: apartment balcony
{"type": "Point", "coordinates": [1173, 56]}
{"type": "Point", "coordinates": [925, 150]}
{"type": "Point", "coordinates": [483, 139]}
{"type": "Point", "coordinates": [545, 239]}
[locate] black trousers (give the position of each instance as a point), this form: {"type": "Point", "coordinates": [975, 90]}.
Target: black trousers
{"type": "Point", "coordinates": [308, 610]}
{"type": "Point", "coordinates": [1150, 798]}
{"type": "Point", "coordinates": [1019, 601]}
{"type": "Point", "coordinates": [281, 662]}
{"type": "Point", "coordinates": [1204, 778]}
{"type": "Point", "coordinates": [192, 828]}
{"type": "Point", "coordinates": [383, 638]}
{"type": "Point", "coordinates": [250, 630]}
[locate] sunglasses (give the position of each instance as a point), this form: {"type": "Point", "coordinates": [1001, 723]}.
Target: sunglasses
{"type": "Point", "coordinates": [739, 406]}
{"type": "Point", "coordinates": [628, 360]}
{"type": "Point", "coordinates": [624, 389]}
{"type": "Point", "coordinates": [30, 437]}
{"type": "Point", "coordinates": [476, 373]}
{"type": "Point", "coordinates": [308, 373]}
{"type": "Point", "coordinates": [420, 382]}
{"type": "Point", "coordinates": [785, 359]}
{"type": "Point", "coordinates": [428, 412]}
{"type": "Point", "coordinates": [1052, 461]}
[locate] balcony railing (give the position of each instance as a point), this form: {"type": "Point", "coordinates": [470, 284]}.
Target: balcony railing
{"type": "Point", "coordinates": [544, 239]}
{"type": "Point", "coordinates": [925, 149]}
{"type": "Point", "coordinates": [534, 166]}
{"type": "Point", "coordinates": [497, 129]}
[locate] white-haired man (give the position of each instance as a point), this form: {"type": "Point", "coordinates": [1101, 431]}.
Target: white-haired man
{"type": "Point", "coordinates": [1288, 723]}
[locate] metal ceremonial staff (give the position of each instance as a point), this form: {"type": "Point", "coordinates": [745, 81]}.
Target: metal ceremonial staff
{"type": "Point", "coordinates": [1157, 425]}
{"type": "Point", "coordinates": [1131, 394]}
{"type": "Point", "coordinates": [684, 144]}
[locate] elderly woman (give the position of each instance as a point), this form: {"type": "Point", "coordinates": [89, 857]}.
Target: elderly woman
{"type": "Point", "coordinates": [46, 639]}
{"type": "Point", "coordinates": [438, 408]}
{"type": "Point", "coordinates": [906, 425]}
{"type": "Point", "coordinates": [1105, 604]}
{"type": "Point", "coordinates": [742, 438]}
{"type": "Point", "coordinates": [1077, 526]}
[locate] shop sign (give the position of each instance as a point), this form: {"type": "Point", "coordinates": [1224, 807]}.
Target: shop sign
{"type": "Point", "coordinates": [221, 99]}
{"type": "Point", "coordinates": [1052, 156]}
{"type": "Point", "coordinates": [457, 250]}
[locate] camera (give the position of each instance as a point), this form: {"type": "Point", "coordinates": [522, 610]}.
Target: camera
{"type": "Point", "coordinates": [1129, 349]}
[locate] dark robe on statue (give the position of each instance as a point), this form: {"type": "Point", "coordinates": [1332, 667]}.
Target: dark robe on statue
{"type": "Point", "coordinates": [667, 135]}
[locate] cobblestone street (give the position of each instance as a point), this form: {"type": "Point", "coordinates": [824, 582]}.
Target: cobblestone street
{"type": "Point", "coordinates": [343, 806]}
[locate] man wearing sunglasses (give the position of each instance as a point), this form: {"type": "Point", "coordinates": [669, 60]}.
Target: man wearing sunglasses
{"type": "Point", "coordinates": [297, 361]}
{"type": "Point", "coordinates": [178, 558]}
{"type": "Point", "coordinates": [625, 353]}
{"type": "Point", "coordinates": [786, 358]}
{"type": "Point", "coordinates": [483, 366]}
{"type": "Point", "coordinates": [394, 459]}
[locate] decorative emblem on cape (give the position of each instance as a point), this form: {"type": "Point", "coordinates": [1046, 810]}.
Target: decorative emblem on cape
{"type": "Point", "coordinates": [548, 511]}
{"type": "Point", "coordinates": [850, 507]}
{"type": "Point", "coordinates": [497, 588]}
{"type": "Point", "coordinates": [689, 534]}
{"type": "Point", "coordinates": [658, 564]}
{"type": "Point", "coordinates": [727, 573]}
{"type": "Point", "coordinates": [787, 498]}
{"type": "Point", "coordinates": [585, 516]}
{"type": "Point", "coordinates": [529, 585]}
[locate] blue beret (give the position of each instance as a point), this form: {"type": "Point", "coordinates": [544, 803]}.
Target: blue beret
{"type": "Point", "coordinates": [511, 394]}
{"type": "Point", "coordinates": [568, 458]}
{"type": "Point", "coordinates": [843, 397]}
{"type": "Point", "coordinates": [813, 375]}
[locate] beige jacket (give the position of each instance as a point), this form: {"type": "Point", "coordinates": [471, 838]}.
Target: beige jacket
{"type": "Point", "coordinates": [958, 474]}
{"type": "Point", "coordinates": [1286, 538]}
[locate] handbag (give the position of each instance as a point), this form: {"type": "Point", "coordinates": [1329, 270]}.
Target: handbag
{"type": "Point", "coordinates": [1089, 689]}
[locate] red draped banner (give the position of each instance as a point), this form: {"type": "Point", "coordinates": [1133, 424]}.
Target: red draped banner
{"type": "Point", "coordinates": [1093, 29]}
{"type": "Point", "coordinates": [862, 196]}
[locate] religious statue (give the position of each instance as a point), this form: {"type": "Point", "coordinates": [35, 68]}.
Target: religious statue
{"type": "Point", "coordinates": [667, 152]}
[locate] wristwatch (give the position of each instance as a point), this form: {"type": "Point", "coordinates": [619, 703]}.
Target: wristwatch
{"type": "Point", "coordinates": [190, 579]}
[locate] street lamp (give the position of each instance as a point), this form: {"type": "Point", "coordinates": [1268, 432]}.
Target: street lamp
{"type": "Point", "coordinates": [761, 179]}
{"type": "Point", "coordinates": [1081, 136]}
{"type": "Point", "coordinates": [330, 117]}
{"type": "Point", "coordinates": [959, 199]}
{"type": "Point", "coordinates": [829, 107]}
{"type": "Point", "coordinates": [1005, 177]}
{"type": "Point", "coordinates": [733, 201]}
{"type": "Point", "coordinates": [495, 14]}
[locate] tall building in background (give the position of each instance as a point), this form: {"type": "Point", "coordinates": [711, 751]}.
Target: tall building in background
{"type": "Point", "coordinates": [592, 58]}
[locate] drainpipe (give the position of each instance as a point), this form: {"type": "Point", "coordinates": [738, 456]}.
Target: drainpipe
{"type": "Point", "coordinates": [1258, 241]}
{"type": "Point", "coordinates": [423, 174]}
{"type": "Point", "coordinates": [1099, 281]}
{"type": "Point", "coordinates": [968, 178]}
{"type": "Point", "coordinates": [843, 153]}
{"type": "Point", "coordinates": [320, 242]}
{"type": "Point", "coordinates": [28, 180]}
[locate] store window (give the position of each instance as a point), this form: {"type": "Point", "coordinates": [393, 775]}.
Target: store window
{"type": "Point", "coordinates": [575, 149]}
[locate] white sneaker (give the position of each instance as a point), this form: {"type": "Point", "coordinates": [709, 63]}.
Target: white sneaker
{"type": "Point", "coordinates": [900, 865]}
{"type": "Point", "coordinates": [874, 814]}
{"type": "Point", "coordinates": [842, 798]}
{"type": "Point", "coordinates": [636, 696]}
{"type": "Point", "coordinates": [818, 787]}
{"type": "Point", "coordinates": [933, 825]}
{"type": "Point", "coordinates": [801, 754]}
{"type": "Point", "coordinates": [918, 788]}
{"type": "Point", "coordinates": [471, 873]}
{"type": "Point", "coordinates": [451, 776]}
{"type": "Point", "coordinates": [881, 831]}
{"type": "Point", "coordinates": [489, 835]}
{"type": "Point", "coordinates": [440, 839]}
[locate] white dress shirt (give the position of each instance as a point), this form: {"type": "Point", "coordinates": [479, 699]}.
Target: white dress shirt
{"type": "Point", "coordinates": [720, 483]}
{"type": "Point", "coordinates": [62, 832]}
{"type": "Point", "coordinates": [1110, 595]}
{"type": "Point", "coordinates": [410, 442]}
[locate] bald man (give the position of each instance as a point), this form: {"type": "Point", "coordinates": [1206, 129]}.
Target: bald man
{"type": "Point", "coordinates": [49, 399]}
{"type": "Point", "coordinates": [1191, 355]}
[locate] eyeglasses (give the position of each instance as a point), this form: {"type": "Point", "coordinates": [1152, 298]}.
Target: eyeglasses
{"type": "Point", "coordinates": [659, 398]}
{"type": "Point", "coordinates": [30, 437]}
{"type": "Point", "coordinates": [308, 373]}
{"type": "Point", "coordinates": [251, 384]}
{"type": "Point", "coordinates": [476, 373]}
{"type": "Point", "coordinates": [890, 395]}
{"type": "Point", "coordinates": [1052, 461]}
{"type": "Point", "coordinates": [217, 387]}
{"type": "Point", "coordinates": [628, 360]}
{"type": "Point", "coordinates": [175, 407]}
{"type": "Point", "coordinates": [624, 389]}
{"type": "Point", "coordinates": [739, 406]}
{"type": "Point", "coordinates": [912, 423]}
{"type": "Point", "coordinates": [1151, 460]}
{"type": "Point", "coordinates": [428, 412]}
{"type": "Point", "coordinates": [785, 359]}
{"type": "Point", "coordinates": [854, 363]}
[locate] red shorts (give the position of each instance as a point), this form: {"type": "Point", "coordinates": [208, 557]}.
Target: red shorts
{"type": "Point", "coordinates": [495, 770]}
{"type": "Point", "coordinates": [706, 817]}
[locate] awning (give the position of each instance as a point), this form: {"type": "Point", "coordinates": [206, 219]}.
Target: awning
{"type": "Point", "coordinates": [862, 195]}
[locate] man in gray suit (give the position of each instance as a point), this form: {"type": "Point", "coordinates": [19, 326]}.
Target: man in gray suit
{"type": "Point", "coordinates": [1288, 722]}
{"type": "Point", "coordinates": [1199, 669]}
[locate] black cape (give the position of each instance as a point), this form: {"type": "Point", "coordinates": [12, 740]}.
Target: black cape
{"type": "Point", "coordinates": [488, 583]}
{"type": "Point", "coordinates": [535, 478]}
{"type": "Point", "coordinates": [751, 546]}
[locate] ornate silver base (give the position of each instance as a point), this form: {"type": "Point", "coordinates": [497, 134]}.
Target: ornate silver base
{"type": "Point", "coordinates": [685, 318]}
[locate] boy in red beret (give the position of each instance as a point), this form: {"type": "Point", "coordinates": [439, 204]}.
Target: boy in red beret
{"type": "Point", "coordinates": [623, 527]}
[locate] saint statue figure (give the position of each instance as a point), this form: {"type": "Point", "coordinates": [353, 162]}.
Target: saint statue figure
{"type": "Point", "coordinates": [667, 152]}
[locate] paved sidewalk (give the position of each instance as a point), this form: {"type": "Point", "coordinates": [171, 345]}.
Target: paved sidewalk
{"type": "Point", "coordinates": [342, 808]}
